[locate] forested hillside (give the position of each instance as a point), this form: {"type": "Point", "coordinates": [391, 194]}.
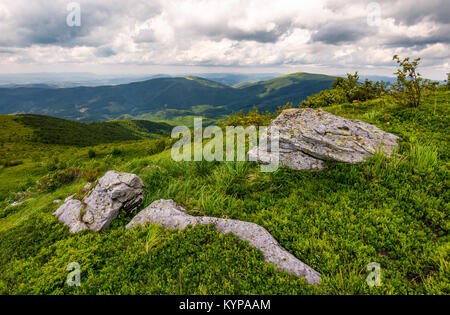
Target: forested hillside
{"type": "Point", "coordinates": [51, 130]}
{"type": "Point", "coordinates": [184, 95]}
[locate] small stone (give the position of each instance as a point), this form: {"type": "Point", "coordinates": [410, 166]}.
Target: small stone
{"type": "Point", "coordinates": [18, 202]}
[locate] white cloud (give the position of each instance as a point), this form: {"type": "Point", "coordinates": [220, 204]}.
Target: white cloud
{"type": "Point", "coordinates": [328, 36]}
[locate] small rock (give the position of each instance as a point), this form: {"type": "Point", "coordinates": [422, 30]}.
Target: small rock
{"type": "Point", "coordinates": [169, 215]}
{"type": "Point", "coordinates": [22, 196]}
{"type": "Point", "coordinates": [102, 202]}
{"type": "Point", "coordinates": [18, 202]}
{"type": "Point", "coordinates": [57, 201]}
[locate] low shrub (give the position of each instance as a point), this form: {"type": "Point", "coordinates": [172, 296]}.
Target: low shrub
{"type": "Point", "coordinates": [12, 163]}
{"type": "Point", "coordinates": [58, 179]}
{"type": "Point", "coordinates": [157, 146]}
{"type": "Point", "coordinates": [92, 175]}
{"type": "Point", "coordinates": [116, 152]}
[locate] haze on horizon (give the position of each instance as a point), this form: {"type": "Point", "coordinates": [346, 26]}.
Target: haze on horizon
{"type": "Point", "coordinates": [249, 36]}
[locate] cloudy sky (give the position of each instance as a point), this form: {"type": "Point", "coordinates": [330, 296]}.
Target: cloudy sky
{"type": "Point", "coordinates": [181, 36]}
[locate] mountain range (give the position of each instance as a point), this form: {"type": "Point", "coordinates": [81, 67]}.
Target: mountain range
{"type": "Point", "coordinates": [161, 99]}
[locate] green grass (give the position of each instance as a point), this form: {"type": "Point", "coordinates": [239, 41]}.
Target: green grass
{"type": "Point", "coordinates": [394, 211]}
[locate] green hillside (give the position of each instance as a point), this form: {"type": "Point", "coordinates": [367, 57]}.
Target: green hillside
{"type": "Point", "coordinates": [51, 130]}
{"type": "Point", "coordinates": [394, 211]}
{"type": "Point", "coordinates": [145, 99]}
{"type": "Point", "coordinates": [292, 88]}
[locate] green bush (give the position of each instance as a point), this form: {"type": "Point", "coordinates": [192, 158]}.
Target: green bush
{"type": "Point", "coordinates": [12, 163]}
{"type": "Point", "coordinates": [410, 85]}
{"type": "Point", "coordinates": [92, 175]}
{"type": "Point", "coordinates": [325, 98]}
{"type": "Point", "coordinates": [157, 146]}
{"type": "Point", "coordinates": [254, 117]}
{"type": "Point", "coordinates": [116, 152]}
{"type": "Point", "coordinates": [345, 90]}
{"type": "Point", "coordinates": [58, 179]}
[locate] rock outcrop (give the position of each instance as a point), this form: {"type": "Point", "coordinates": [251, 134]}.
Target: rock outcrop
{"type": "Point", "coordinates": [100, 204]}
{"type": "Point", "coordinates": [309, 137]}
{"type": "Point", "coordinates": [167, 214]}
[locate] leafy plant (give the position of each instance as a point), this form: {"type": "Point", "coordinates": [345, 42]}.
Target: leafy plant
{"type": "Point", "coordinates": [410, 85]}
{"type": "Point", "coordinates": [345, 90]}
{"type": "Point", "coordinates": [93, 174]}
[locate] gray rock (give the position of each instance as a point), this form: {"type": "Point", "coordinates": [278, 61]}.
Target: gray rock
{"type": "Point", "coordinates": [57, 201]}
{"type": "Point", "coordinates": [70, 213]}
{"type": "Point", "coordinates": [18, 202]}
{"type": "Point", "coordinates": [295, 159]}
{"type": "Point", "coordinates": [102, 202]}
{"type": "Point", "coordinates": [86, 188]}
{"type": "Point", "coordinates": [308, 137]}
{"type": "Point", "coordinates": [167, 214]}
{"type": "Point", "coordinates": [21, 196]}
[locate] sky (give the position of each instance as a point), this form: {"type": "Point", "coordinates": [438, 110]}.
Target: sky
{"type": "Point", "coordinates": [244, 36]}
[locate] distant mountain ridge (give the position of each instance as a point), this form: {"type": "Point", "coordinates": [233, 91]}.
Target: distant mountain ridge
{"type": "Point", "coordinates": [140, 99]}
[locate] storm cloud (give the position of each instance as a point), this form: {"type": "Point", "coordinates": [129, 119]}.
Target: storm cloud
{"type": "Point", "coordinates": [342, 32]}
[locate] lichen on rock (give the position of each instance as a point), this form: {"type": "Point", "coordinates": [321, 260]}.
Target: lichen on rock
{"type": "Point", "coordinates": [309, 137]}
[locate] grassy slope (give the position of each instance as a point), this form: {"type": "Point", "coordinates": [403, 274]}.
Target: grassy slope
{"type": "Point", "coordinates": [50, 130]}
{"type": "Point", "coordinates": [392, 211]}
{"type": "Point", "coordinates": [294, 88]}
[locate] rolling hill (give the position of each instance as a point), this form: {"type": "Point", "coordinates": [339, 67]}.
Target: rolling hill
{"type": "Point", "coordinates": [144, 99]}
{"type": "Point", "coordinates": [51, 130]}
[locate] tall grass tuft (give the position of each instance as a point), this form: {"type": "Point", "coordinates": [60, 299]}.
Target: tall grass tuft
{"type": "Point", "coordinates": [152, 238]}
{"type": "Point", "coordinates": [423, 157]}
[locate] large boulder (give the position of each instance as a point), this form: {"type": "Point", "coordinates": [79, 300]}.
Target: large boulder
{"type": "Point", "coordinates": [101, 204]}
{"type": "Point", "coordinates": [309, 137]}
{"type": "Point", "coordinates": [169, 215]}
